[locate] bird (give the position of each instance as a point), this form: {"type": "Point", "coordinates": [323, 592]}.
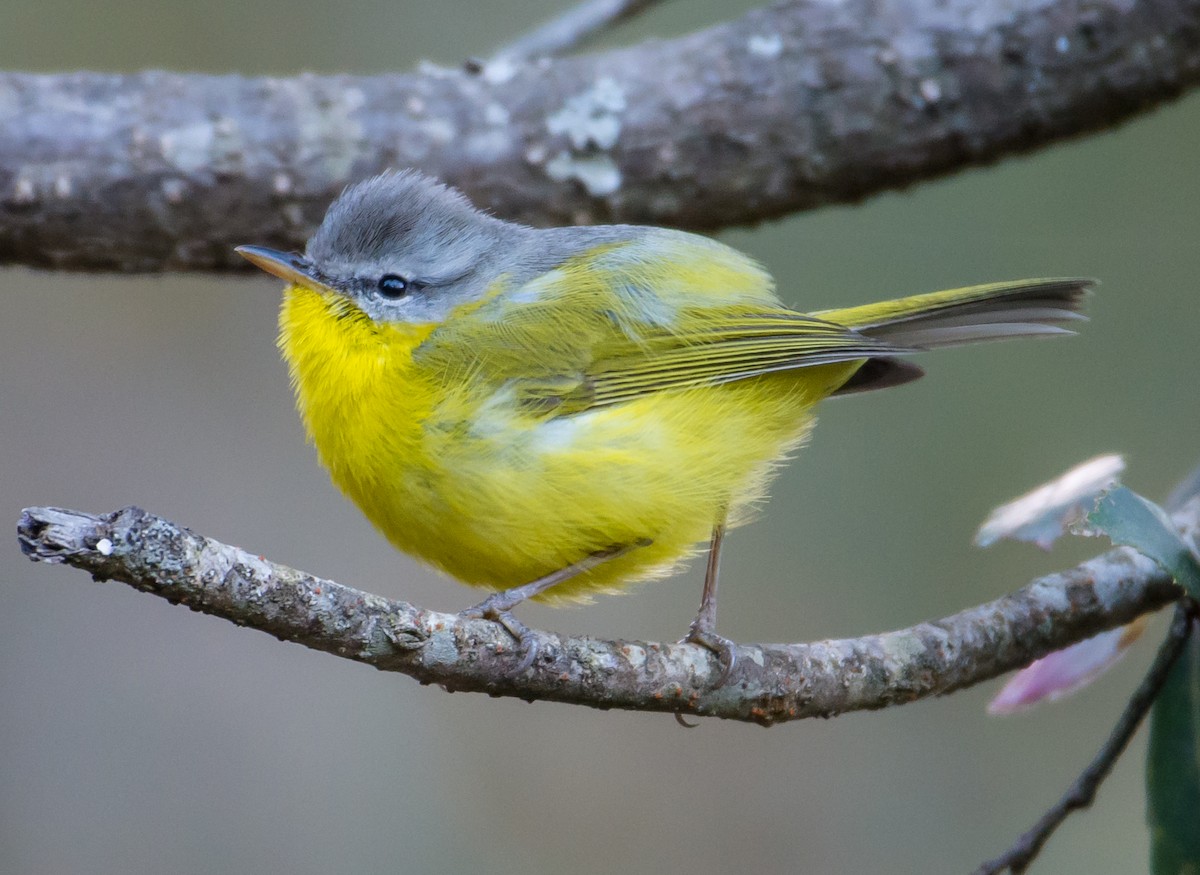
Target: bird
{"type": "Point", "coordinates": [556, 413]}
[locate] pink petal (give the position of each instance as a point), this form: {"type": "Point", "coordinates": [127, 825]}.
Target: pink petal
{"type": "Point", "coordinates": [1065, 671]}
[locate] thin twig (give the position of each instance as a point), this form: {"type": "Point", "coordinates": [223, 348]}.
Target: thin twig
{"type": "Point", "coordinates": [572, 28]}
{"type": "Point", "coordinates": [769, 683]}
{"type": "Point", "coordinates": [1082, 792]}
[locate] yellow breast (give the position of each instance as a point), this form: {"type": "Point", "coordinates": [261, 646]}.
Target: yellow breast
{"type": "Point", "coordinates": [476, 485]}
{"type": "Point", "coordinates": [363, 403]}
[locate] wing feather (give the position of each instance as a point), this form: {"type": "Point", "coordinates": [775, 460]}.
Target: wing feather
{"type": "Point", "coordinates": [745, 348]}
{"type": "Point", "coordinates": [656, 311]}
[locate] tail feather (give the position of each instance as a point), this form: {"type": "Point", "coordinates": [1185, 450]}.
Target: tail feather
{"type": "Point", "coordinates": [939, 335]}
{"type": "Point", "coordinates": [1022, 308]}
{"type": "Point", "coordinates": [989, 312]}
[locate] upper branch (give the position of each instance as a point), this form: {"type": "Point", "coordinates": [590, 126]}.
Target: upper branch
{"type": "Point", "coordinates": [789, 107]}
{"type": "Point", "coordinates": [769, 682]}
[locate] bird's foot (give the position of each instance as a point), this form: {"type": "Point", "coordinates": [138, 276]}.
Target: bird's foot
{"type": "Point", "coordinates": [496, 608]}
{"type": "Point", "coordinates": [724, 648]}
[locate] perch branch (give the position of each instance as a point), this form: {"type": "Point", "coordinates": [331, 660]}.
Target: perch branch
{"type": "Point", "coordinates": [790, 107]}
{"type": "Point", "coordinates": [770, 683]}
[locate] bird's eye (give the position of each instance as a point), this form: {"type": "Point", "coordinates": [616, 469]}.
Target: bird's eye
{"type": "Point", "coordinates": [393, 286]}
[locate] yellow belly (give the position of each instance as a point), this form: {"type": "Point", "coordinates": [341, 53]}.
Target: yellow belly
{"type": "Point", "coordinates": [496, 496]}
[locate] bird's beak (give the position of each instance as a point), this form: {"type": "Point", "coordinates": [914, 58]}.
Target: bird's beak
{"type": "Point", "coordinates": [287, 266]}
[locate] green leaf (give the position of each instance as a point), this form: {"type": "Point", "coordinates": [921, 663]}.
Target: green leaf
{"type": "Point", "coordinates": [1173, 769]}
{"type": "Point", "coordinates": [1130, 520]}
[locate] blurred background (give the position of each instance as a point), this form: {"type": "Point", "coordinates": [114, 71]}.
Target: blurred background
{"type": "Point", "coordinates": [137, 737]}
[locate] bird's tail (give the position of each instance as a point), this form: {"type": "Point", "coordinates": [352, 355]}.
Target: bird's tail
{"type": "Point", "coordinates": [1019, 308]}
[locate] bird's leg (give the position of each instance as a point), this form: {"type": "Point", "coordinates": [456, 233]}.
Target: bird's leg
{"type": "Point", "coordinates": [498, 606]}
{"type": "Point", "coordinates": [703, 630]}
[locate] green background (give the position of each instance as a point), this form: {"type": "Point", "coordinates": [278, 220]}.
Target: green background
{"type": "Point", "coordinates": [137, 737]}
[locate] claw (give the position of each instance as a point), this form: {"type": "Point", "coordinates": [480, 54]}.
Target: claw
{"type": "Point", "coordinates": [724, 648]}
{"type": "Point", "coordinates": [498, 605]}
{"type": "Point", "coordinates": [493, 608]}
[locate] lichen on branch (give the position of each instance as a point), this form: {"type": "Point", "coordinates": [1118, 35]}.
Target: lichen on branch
{"type": "Point", "coordinates": [792, 106]}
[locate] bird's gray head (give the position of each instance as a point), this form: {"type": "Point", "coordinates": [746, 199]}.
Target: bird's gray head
{"type": "Point", "coordinates": [401, 246]}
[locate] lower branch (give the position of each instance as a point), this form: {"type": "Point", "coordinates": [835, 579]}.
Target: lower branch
{"type": "Point", "coordinates": [770, 683]}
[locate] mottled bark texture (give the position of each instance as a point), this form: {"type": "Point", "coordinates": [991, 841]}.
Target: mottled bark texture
{"type": "Point", "coordinates": [769, 683]}
{"type": "Point", "coordinates": [792, 106]}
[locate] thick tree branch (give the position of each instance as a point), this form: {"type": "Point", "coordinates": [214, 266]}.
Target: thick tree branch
{"type": "Point", "coordinates": [770, 683]}
{"type": "Point", "coordinates": [789, 107]}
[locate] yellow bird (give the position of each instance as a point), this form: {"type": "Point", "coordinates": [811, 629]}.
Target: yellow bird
{"type": "Point", "coordinates": [555, 413]}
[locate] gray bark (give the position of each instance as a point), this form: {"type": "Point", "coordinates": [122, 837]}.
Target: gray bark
{"type": "Point", "coordinates": [769, 683]}
{"type": "Point", "coordinates": [790, 107]}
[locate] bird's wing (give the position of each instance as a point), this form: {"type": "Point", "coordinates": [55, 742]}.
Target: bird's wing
{"type": "Point", "coordinates": [741, 346]}
{"type": "Point", "coordinates": [661, 312]}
